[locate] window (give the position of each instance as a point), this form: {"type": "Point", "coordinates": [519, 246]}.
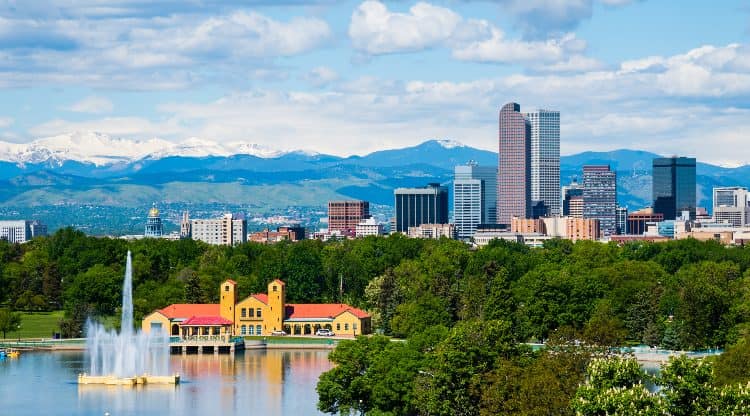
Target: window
{"type": "Point", "coordinates": [226, 288]}
{"type": "Point", "coordinates": [251, 329]}
{"type": "Point", "coordinates": [252, 312]}
{"type": "Point", "coordinates": [275, 288]}
{"type": "Point", "coordinates": [243, 312]}
{"type": "Point", "coordinates": [338, 327]}
{"type": "Point", "coordinates": [257, 313]}
{"type": "Point", "coordinates": [346, 327]}
{"type": "Point", "coordinates": [258, 330]}
{"type": "Point", "coordinates": [243, 331]}
{"type": "Point", "coordinates": [354, 327]}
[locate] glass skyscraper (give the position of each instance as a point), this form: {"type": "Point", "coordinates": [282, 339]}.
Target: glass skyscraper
{"type": "Point", "coordinates": [600, 197]}
{"type": "Point", "coordinates": [513, 165]}
{"type": "Point", "coordinates": [474, 198]}
{"type": "Point", "coordinates": [544, 158]}
{"type": "Point", "coordinates": [674, 186]}
{"type": "Point", "coordinates": [417, 206]}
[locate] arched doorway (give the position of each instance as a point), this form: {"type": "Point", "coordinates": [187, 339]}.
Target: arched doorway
{"type": "Point", "coordinates": [175, 329]}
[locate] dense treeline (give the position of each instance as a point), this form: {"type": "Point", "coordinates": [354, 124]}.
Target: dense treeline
{"type": "Point", "coordinates": [682, 294]}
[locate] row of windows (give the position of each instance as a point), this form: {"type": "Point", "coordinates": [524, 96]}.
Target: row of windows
{"type": "Point", "coordinates": [251, 330]}
{"type": "Point", "coordinates": [248, 313]}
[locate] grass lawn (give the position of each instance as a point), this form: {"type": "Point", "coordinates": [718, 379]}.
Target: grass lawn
{"type": "Point", "coordinates": [44, 324]}
{"type": "Point", "coordinates": [37, 325]}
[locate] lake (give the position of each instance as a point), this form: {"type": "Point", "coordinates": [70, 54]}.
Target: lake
{"type": "Point", "coordinates": [254, 382]}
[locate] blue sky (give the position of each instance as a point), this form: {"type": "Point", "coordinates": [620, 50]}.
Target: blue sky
{"type": "Point", "coordinates": [350, 77]}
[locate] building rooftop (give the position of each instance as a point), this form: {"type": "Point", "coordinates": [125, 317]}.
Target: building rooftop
{"type": "Point", "coordinates": [186, 310]}
{"type": "Point", "coordinates": [206, 321]}
{"type": "Point", "coordinates": [321, 310]}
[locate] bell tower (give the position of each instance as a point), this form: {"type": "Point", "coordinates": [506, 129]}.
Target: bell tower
{"type": "Point", "coordinates": [276, 305]}
{"type": "Point", "coordinates": [227, 299]}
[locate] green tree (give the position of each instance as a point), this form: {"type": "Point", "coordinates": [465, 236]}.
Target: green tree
{"type": "Point", "coordinates": [9, 321]}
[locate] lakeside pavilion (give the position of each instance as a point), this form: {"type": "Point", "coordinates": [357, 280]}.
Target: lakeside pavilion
{"type": "Point", "coordinates": [257, 314]}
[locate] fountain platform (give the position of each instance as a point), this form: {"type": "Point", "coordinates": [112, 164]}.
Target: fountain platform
{"type": "Point", "coordinates": [128, 381]}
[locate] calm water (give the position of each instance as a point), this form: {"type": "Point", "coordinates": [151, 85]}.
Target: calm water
{"type": "Point", "coordinates": [272, 383]}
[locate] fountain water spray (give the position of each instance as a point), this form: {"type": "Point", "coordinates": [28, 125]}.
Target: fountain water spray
{"type": "Point", "coordinates": [130, 353]}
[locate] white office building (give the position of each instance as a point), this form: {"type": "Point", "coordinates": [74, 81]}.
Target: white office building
{"type": "Point", "coordinates": [21, 231]}
{"type": "Point", "coordinates": [545, 159]}
{"type": "Point", "coordinates": [732, 205]}
{"type": "Point", "coordinates": [228, 230]}
{"type": "Point", "coordinates": [369, 226]}
{"type": "Point", "coordinates": [474, 198]}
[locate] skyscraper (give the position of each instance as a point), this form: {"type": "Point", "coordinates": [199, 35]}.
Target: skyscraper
{"type": "Point", "coordinates": [513, 165]}
{"type": "Point", "coordinates": [417, 206]}
{"type": "Point", "coordinates": [474, 198]}
{"type": "Point", "coordinates": [600, 197]}
{"type": "Point", "coordinates": [621, 220]}
{"type": "Point", "coordinates": [674, 186]}
{"type": "Point", "coordinates": [153, 223]}
{"type": "Point", "coordinates": [544, 158]}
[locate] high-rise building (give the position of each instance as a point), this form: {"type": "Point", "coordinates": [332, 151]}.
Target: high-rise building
{"type": "Point", "coordinates": [575, 206]}
{"type": "Point", "coordinates": [185, 225]}
{"type": "Point", "coordinates": [21, 231]}
{"type": "Point", "coordinates": [732, 205]}
{"type": "Point", "coordinates": [568, 192]}
{"type": "Point", "coordinates": [621, 220]}
{"type": "Point", "coordinates": [417, 206]}
{"type": "Point", "coordinates": [600, 197]}
{"type": "Point", "coordinates": [343, 216]}
{"type": "Point", "coordinates": [544, 158]}
{"type": "Point", "coordinates": [229, 230]}
{"type": "Point", "coordinates": [474, 198]}
{"type": "Point", "coordinates": [674, 186]}
{"type": "Point", "coordinates": [513, 165]}
{"type": "Point", "coordinates": [153, 224]}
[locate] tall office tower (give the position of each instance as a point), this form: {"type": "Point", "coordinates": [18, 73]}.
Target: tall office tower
{"type": "Point", "coordinates": [600, 197]}
{"type": "Point", "coordinates": [229, 230]}
{"type": "Point", "coordinates": [153, 223]}
{"type": "Point", "coordinates": [732, 205]}
{"type": "Point", "coordinates": [513, 165]}
{"type": "Point", "coordinates": [474, 198]}
{"type": "Point", "coordinates": [674, 186]}
{"type": "Point", "coordinates": [621, 220]}
{"type": "Point", "coordinates": [185, 225]}
{"type": "Point", "coordinates": [544, 158]}
{"type": "Point", "coordinates": [575, 206]}
{"type": "Point", "coordinates": [569, 191]}
{"type": "Point", "coordinates": [343, 216]}
{"type": "Point", "coordinates": [417, 206]}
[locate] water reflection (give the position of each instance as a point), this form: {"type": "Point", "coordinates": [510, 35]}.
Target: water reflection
{"type": "Point", "coordinates": [274, 383]}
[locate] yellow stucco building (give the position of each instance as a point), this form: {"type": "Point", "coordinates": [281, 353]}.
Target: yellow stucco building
{"type": "Point", "coordinates": [258, 314]}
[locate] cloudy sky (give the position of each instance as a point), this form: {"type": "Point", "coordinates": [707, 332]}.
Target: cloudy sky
{"type": "Point", "coordinates": [350, 77]}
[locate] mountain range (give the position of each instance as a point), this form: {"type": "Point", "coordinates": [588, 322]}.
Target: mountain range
{"type": "Point", "coordinates": [95, 169]}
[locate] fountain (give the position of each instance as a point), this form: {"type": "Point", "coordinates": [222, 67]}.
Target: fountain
{"type": "Point", "coordinates": [130, 357]}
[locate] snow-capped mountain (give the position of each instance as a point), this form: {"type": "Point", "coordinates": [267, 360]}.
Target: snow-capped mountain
{"type": "Point", "coordinates": [101, 149]}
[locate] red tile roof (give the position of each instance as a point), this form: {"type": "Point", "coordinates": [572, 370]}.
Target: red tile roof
{"type": "Point", "coordinates": [279, 281]}
{"type": "Point", "coordinates": [321, 310]}
{"type": "Point", "coordinates": [231, 281]}
{"type": "Point", "coordinates": [186, 310]}
{"type": "Point", "coordinates": [206, 321]}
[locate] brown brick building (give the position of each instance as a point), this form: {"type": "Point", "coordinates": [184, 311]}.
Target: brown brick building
{"type": "Point", "coordinates": [343, 216]}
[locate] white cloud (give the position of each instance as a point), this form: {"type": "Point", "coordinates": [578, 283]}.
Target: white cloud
{"type": "Point", "coordinates": [92, 105]}
{"type": "Point", "coordinates": [375, 30]}
{"type": "Point", "coordinates": [6, 122]}
{"type": "Point", "coordinates": [149, 52]}
{"type": "Point", "coordinates": [321, 76]}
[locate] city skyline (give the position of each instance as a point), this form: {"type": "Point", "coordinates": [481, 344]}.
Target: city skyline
{"type": "Point", "coordinates": [232, 71]}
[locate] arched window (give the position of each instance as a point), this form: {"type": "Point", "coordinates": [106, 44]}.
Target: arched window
{"type": "Point", "coordinates": [258, 330]}
{"type": "Point", "coordinates": [243, 331]}
{"type": "Point", "coordinates": [251, 329]}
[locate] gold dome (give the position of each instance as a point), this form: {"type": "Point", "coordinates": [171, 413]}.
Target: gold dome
{"type": "Point", "coordinates": [153, 212]}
